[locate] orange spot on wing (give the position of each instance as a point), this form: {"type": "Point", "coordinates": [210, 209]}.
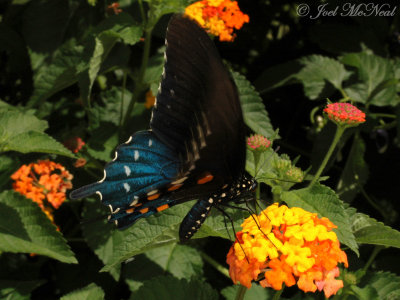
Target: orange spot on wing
{"type": "Point", "coordinates": [144, 210]}
{"type": "Point", "coordinates": [206, 178]}
{"type": "Point", "coordinates": [174, 187]}
{"type": "Point", "coordinates": [139, 204]}
{"type": "Point", "coordinates": [162, 207]}
{"type": "Point", "coordinates": [153, 197]}
{"type": "Point", "coordinates": [130, 210]}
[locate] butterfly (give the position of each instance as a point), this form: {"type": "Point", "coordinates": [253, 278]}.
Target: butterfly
{"type": "Point", "coordinates": [195, 147]}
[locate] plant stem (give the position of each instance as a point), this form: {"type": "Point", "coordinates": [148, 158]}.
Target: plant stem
{"type": "Point", "coordinates": [338, 134]}
{"type": "Point", "coordinates": [278, 294]}
{"type": "Point", "coordinates": [372, 203]}
{"type": "Point", "coordinates": [139, 83]}
{"type": "Point", "coordinates": [241, 292]}
{"type": "Point", "coordinates": [374, 253]}
{"type": "Point", "coordinates": [215, 264]}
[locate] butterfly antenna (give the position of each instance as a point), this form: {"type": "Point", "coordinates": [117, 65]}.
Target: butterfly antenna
{"type": "Point", "coordinates": [233, 228]}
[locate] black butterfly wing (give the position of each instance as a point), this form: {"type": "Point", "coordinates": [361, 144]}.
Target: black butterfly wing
{"type": "Point", "coordinates": [197, 111]}
{"type": "Point", "coordinates": [198, 114]}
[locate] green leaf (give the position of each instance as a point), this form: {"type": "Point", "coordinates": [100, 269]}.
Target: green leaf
{"type": "Point", "coordinates": [179, 260]}
{"type": "Point", "coordinates": [366, 293]}
{"type": "Point", "coordinates": [161, 8]}
{"type": "Point", "coordinates": [375, 74]}
{"type": "Point", "coordinates": [59, 74]}
{"type": "Point", "coordinates": [101, 236]}
{"type": "Point", "coordinates": [13, 290]}
{"type": "Point", "coordinates": [387, 285]}
{"type": "Point", "coordinates": [162, 229]}
{"type": "Point", "coordinates": [23, 132]}
{"type": "Point", "coordinates": [152, 232]}
{"type": "Point", "coordinates": [72, 61]}
{"type": "Point", "coordinates": [92, 291]}
{"type": "Point", "coordinates": [124, 26]}
{"type": "Point", "coordinates": [103, 45]}
{"type": "Point", "coordinates": [319, 69]}
{"type": "Point", "coordinates": [36, 142]}
{"type": "Point", "coordinates": [218, 225]}
{"type": "Point", "coordinates": [256, 292]}
{"type": "Point", "coordinates": [355, 173]}
{"type": "Point", "coordinates": [369, 231]}
{"type": "Point", "coordinates": [254, 113]}
{"type": "Point", "coordinates": [25, 228]}
{"type": "Point", "coordinates": [8, 166]}
{"type": "Point", "coordinates": [103, 141]}
{"type": "Point", "coordinates": [322, 200]}
{"type": "Point", "coordinates": [170, 288]}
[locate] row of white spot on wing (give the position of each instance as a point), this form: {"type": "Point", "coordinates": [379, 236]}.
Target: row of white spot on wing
{"type": "Point", "coordinates": [127, 171]}
{"type": "Point", "coordinates": [127, 187]}
{"type": "Point", "coordinates": [152, 192]}
{"type": "Point", "coordinates": [135, 200]}
{"type": "Point", "coordinates": [136, 155]}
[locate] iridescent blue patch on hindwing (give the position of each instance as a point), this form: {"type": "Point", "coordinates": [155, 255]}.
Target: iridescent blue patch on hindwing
{"type": "Point", "coordinates": [141, 165]}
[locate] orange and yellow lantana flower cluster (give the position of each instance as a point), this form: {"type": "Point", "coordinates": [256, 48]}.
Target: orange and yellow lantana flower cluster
{"type": "Point", "coordinates": [289, 245]}
{"type": "Point", "coordinates": [44, 182]}
{"type": "Point", "coordinates": [218, 17]}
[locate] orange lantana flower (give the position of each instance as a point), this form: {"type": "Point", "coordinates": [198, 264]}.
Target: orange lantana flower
{"type": "Point", "coordinates": [290, 246]}
{"type": "Point", "coordinates": [218, 17]}
{"type": "Point", "coordinates": [44, 182]}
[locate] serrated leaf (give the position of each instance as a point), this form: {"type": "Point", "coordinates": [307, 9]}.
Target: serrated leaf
{"type": "Point", "coordinates": [152, 232]}
{"type": "Point", "coordinates": [256, 292]}
{"type": "Point", "coordinates": [24, 228]}
{"type": "Point", "coordinates": [322, 200]}
{"type": "Point", "coordinates": [254, 113]}
{"type": "Point", "coordinates": [219, 225]}
{"type": "Point", "coordinates": [375, 74]}
{"type": "Point", "coordinates": [355, 172]}
{"type": "Point", "coordinates": [369, 231]}
{"type": "Point", "coordinates": [92, 291]}
{"type": "Point", "coordinates": [103, 141]}
{"type": "Point", "coordinates": [13, 122]}
{"type": "Point", "coordinates": [318, 69]}
{"type": "Point", "coordinates": [366, 293]}
{"type": "Point", "coordinates": [124, 26]}
{"type": "Point", "coordinates": [180, 260]}
{"type": "Point", "coordinates": [36, 142]}
{"type": "Point", "coordinates": [101, 236]}
{"type": "Point", "coordinates": [170, 288]}
{"type": "Point", "coordinates": [60, 73]}
{"type": "Point", "coordinates": [23, 132]}
{"type": "Point", "coordinates": [18, 290]}
{"type": "Point", "coordinates": [162, 229]}
{"type": "Point", "coordinates": [386, 284]}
